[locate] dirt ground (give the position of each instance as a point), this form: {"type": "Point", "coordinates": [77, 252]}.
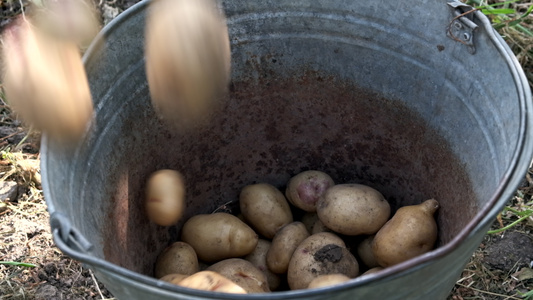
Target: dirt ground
{"type": "Point", "coordinates": [501, 268]}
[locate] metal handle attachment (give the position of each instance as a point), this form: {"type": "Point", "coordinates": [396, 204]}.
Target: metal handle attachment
{"type": "Point", "coordinates": [462, 27]}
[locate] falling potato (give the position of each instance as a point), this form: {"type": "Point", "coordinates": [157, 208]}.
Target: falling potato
{"type": "Point", "coordinates": [45, 82]}
{"type": "Point", "coordinates": [187, 59]}
{"type": "Point", "coordinates": [165, 197]}
{"type": "Point", "coordinates": [75, 20]}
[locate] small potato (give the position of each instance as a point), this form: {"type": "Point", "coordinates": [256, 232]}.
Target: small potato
{"type": "Point", "coordinates": [165, 197]}
{"type": "Point", "coordinates": [188, 76]}
{"type": "Point", "coordinates": [304, 189]}
{"type": "Point", "coordinates": [258, 259]}
{"type": "Point", "coordinates": [174, 278]}
{"type": "Point", "coordinates": [243, 273]}
{"type": "Point", "coordinates": [177, 258]}
{"type": "Point", "coordinates": [218, 236]}
{"type": "Point", "coordinates": [211, 281]}
{"type": "Point", "coordinates": [372, 270]}
{"type": "Point", "coordinates": [283, 245]}
{"type": "Point", "coordinates": [320, 254]}
{"type": "Point", "coordinates": [353, 209]}
{"type": "Point", "coordinates": [364, 250]}
{"type": "Point", "coordinates": [319, 227]}
{"type": "Point", "coordinates": [265, 208]}
{"type": "Point", "coordinates": [327, 280]}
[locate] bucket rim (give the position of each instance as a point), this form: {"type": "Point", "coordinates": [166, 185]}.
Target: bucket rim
{"type": "Point", "coordinates": [510, 180]}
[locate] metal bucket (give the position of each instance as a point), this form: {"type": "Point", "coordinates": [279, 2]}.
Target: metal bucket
{"type": "Point", "coordinates": [400, 95]}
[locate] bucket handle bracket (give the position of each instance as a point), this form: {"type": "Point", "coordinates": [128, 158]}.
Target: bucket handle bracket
{"type": "Point", "coordinates": [462, 26]}
{"type": "Point", "coordinates": [69, 235]}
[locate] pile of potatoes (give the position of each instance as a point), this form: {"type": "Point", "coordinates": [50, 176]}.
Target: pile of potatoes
{"type": "Point", "coordinates": [265, 248]}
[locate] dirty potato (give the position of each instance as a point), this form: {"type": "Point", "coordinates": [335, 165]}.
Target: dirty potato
{"type": "Point", "coordinates": [177, 258]}
{"type": "Point", "coordinates": [320, 254]}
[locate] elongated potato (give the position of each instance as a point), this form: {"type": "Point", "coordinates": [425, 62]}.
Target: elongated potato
{"type": "Point", "coordinates": [211, 281]}
{"type": "Point", "coordinates": [320, 254]}
{"type": "Point", "coordinates": [283, 245]}
{"type": "Point", "coordinates": [258, 259]}
{"type": "Point", "coordinates": [265, 208]}
{"type": "Point", "coordinates": [165, 197]}
{"type": "Point", "coordinates": [177, 258]}
{"type": "Point", "coordinates": [45, 82]}
{"type": "Point", "coordinates": [218, 236]}
{"type": "Point", "coordinates": [190, 73]}
{"type": "Point", "coordinates": [243, 273]}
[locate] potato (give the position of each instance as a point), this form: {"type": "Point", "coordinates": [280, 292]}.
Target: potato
{"type": "Point", "coordinates": [165, 197]}
{"type": "Point", "coordinates": [327, 280]}
{"type": "Point", "coordinates": [412, 231]}
{"type": "Point", "coordinates": [372, 270]}
{"type": "Point", "coordinates": [243, 273]}
{"type": "Point", "coordinates": [211, 281]}
{"type": "Point", "coordinates": [304, 189]}
{"type": "Point", "coordinates": [218, 236]}
{"type": "Point", "coordinates": [177, 258]}
{"type": "Point", "coordinates": [188, 76]}
{"type": "Point", "coordinates": [353, 209]}
{"type": "Point", "coordinates": [364, 251]}
{"type": "Point", "coordinates": [258, 259]}
{"type": "Point", "coordinates": [265, 208]}
{"type": "Point", "coordinates": [320, 254]}
{"type": "Point", "coordinates": [174, 278]}
{"type": "Point", "coordinates": [283, 245]}
{"type": "Point", "coordinates": [319, 227]}
{"type": "Point", "coordinates": [309, 220]}
{"type": "Point", "coordinates": [45, 82]}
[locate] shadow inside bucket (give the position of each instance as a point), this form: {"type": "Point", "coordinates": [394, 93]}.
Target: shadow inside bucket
{"type": "Point", "coordinates": [269, 130]}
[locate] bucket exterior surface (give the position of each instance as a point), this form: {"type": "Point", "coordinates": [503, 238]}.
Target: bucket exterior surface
{"type": "Point", "coordinates": [402, 96]}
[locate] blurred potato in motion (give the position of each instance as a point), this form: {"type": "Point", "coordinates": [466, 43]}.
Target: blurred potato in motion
{"type": "Point", "coordinates": [187, 59]}
{"type": "Point", "coordinates": [74, 20]}
{"type": "Point", "coordinates": [45, 82]}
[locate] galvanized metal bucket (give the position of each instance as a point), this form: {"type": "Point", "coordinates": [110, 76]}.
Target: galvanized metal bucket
{"type": "Point", "coordinates": [408, 97]}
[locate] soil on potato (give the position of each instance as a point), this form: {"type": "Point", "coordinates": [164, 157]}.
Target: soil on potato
{"type": "Point", "coordinates": [501, 268]}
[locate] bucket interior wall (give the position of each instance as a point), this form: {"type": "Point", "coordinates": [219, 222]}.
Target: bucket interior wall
{"type": "Point", "coordinates": [366, 96]}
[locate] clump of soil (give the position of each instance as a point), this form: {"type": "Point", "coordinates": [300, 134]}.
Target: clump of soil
{"type": "Point", "coordinates": [510, 251]}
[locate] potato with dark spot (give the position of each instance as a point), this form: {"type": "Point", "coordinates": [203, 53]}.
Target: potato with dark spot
{"type": "Point", "coordinates": [243, 273]}
{"type": "Point", "coordinates": [211, 281]}
{"type": "Point", "coordinates": [320, 254]}
{"type": "Point", "coordinates": [353, 209]}
{"type": "Point", "coordinates": [411, 232]}
{"type": "Point", "coordinates": [265, 208]}
{"type": "Point", "coordinates": [177, 258]}
{"type": "Point", "coordinates": [283, 245]}
{"type": "Point", "coordinates": [258, 259]}
{"type": "Point", "coordinates": [304, 189]}
{"type": "Point", "coordinates": [165, 197]}
{"type": "Point", "coordinates": [218, 236]}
